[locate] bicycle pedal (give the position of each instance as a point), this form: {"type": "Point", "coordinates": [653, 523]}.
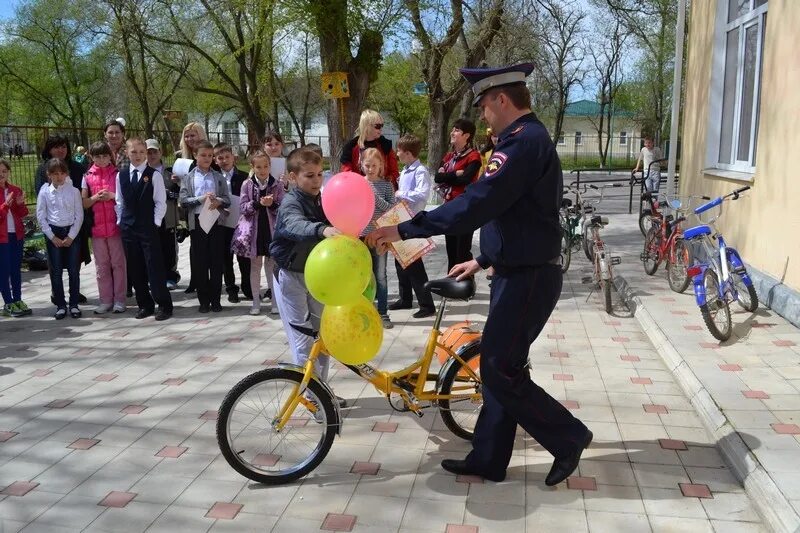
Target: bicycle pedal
{"type": "Point", "coordinates": [616, 260]}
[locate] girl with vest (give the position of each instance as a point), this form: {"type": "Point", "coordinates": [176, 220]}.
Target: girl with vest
{"type": "Point", "coordinates": [98, 191]}
{"type": "Point", "coordinates": [370, 128]}
{"type": "Point", "coordinates": [458, 169]}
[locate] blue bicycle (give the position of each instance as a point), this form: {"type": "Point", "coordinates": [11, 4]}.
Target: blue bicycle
{"type": "Point", "coordinates": [722, 278]}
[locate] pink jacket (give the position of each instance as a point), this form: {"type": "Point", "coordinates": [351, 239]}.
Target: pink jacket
{"type": "Point", "coordinates": [105, 217]}
{"type": "Point", "coordinates": [17, 211]}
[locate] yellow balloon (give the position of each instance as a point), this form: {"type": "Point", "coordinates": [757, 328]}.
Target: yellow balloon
{"type": "Point", "coordinates": [352, 333]}
{"type": "Point", "coordinates": [338, 270]}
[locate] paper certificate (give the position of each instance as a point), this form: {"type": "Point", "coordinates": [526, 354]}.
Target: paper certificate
{"type": "Point", "coordinates": [406, 252]}
{"type": "Point", "coordinates": [208, 216]}
{"type": "Point", "coordinates": [277, 167]}
{"type": "Point", "coordinates": [181, 167]}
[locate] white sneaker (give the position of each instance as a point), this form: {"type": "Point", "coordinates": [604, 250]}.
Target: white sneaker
{"type": "Point", "coordinates": [387, 322]}
{"type": "Point", "coordinates": [255, 311]}
{"type": "Point", "coordinates": [119, 308]}
{"type": "Point", "coordinates": [273, 311]}
{"type": "Point", "coordinates": [102, 309]}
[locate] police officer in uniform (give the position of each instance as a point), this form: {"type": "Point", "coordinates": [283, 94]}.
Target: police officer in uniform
{"type": "Point", "coordinates": [515, 203]}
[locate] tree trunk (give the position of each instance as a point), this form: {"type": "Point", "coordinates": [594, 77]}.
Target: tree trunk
{"type": "Point", "coordinates": [437, 134]}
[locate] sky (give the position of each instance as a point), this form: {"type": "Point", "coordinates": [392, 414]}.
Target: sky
{"type": "Point", "coordinates": [7, 8]}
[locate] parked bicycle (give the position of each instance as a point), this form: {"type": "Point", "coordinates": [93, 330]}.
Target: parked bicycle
{"type": "Point", "coordinates": [278, 424]}
{"type": "Point", "coordinates": [598, 253]}
{"type": "Point", "coordinates": [572, 216]}
{"type": "Point", "coordinates": [646, 213]}
{"type": "Point", "coordinates": [722, 278]}
{"type": "Point", "coordinates": [664, 242]}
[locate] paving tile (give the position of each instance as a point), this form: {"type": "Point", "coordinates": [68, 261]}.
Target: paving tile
{"type": "Point", "coordinates": [338, 522]}
{"type": "Point", "coordinates": [572, 405]}
{"type": "Point", "coordinates": [695, 491]}
{"type": "Point", "coordinates": [657, 409]}
{"type": "Point", "coordinates": [460, 528]}
{"type": "Point", "coordinates": [7, 435]}
{"type": "Point", "coordinates": [641, 381]}
{"type": "Point", "coordinates": [19, 488]}
{"type": "Point", "coordinates": [385, 427]}
{"type": "Point", "coordinates": [210, 415]}
{"type": "Point", "coordinates": [730, 368]}
{"type": "Point", "coordinates": [58, 404]}
{"type": "Point", "coordinates": [173, 382]}
{"type": "Point", "coordinates": [672, 444]}
{"type": "Point", "coordinates": [469, 479]}
{"type": "Point", "coordinates": [786, 429]}
{"type": "Point", "coordinates": [41, 372]}
{"type": "Point", "coordinates": [133, 409]}
{"type": "Point", "coordinates": [581, 483]}
{"type": "Point", "coordinates": [563, 377]}
{"type": "Point", "coordinates": [370, 469]}
{"type": "Point", "coordinates": [117, 499]}
{"type": "Point", "coordinates": [224, 510]}
{"type": "Point", "coordinates": [755, 394]}
{"type": "Point", "coordinates": [171, 452]}
{"type": "Point", "coordinates": [106, 377]}
{"type": "Point", "coordinates": [84, 444]}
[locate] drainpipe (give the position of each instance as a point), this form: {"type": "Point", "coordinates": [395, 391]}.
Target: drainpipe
{"type": "Point", "coordinates": [676, 99]}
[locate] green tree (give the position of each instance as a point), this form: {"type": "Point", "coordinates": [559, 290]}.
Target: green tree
{"type": "Point", "coordinates": [54, 59]}
{"type": "Point", "coordinates": [393, 95]}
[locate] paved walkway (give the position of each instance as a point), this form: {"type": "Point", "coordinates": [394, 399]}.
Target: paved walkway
{"type": "Point", "coordinates": [107, 424]}
{"type": "Point", "coordinates": [746, 389]}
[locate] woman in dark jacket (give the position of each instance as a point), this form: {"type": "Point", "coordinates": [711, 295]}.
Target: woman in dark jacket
{"type": "Point", "coordinates": [458, 168]}
{"type": "Point", "coordinates": [58, 146]}
{"type": "Point", "coordinates": [369, 135]}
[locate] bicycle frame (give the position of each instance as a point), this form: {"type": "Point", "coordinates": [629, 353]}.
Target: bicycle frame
{"type": "Point", "coordinates": [408, 383]}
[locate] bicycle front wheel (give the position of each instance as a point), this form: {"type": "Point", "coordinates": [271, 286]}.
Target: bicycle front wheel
{"type": "Point", "coordinates": [650, 253]}
{"type": "Point", "coordinates": [745, 294]}
{"type": "Point", "coordinates": [588, 242]}
{"type": "Point", "coordinates": [677, 263]}
{"type": "Point", "coordinates": [644, 221]}
{"type": "Point", "coordinates": [254, 447]}
{"type": "Point", "coordinates": [716, 312]}
{"type": "Point", "coordinates": [460, 412]}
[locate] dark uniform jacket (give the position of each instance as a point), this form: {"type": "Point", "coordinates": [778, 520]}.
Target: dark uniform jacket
{"type": "Point", "coordinates": [515, 203]}
{"type": "Point", "coordinates": [299, 227]}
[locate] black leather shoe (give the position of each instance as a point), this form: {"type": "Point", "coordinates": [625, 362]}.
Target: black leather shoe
{"type": "Point", "coordinates": [399, 304]}
{"type": "Point", "coordinates": [564, 467]}
{"type": "Point", "coordinates": [424, 312]}
{"type": "Point", "coordinates": [233, 298]}
{"type": "Point", "coordinates": [163, 315]}
{"type": "Point", "coordinates": [82, 299]}
{"type": "Point", "coordinates": [144, 313]}
{"type": "Point", "coordinates": [216, 307]}
{"type": "Point", "coordinates": [459, 467]}
{"type": "Point", "coordinates": [204, 308]}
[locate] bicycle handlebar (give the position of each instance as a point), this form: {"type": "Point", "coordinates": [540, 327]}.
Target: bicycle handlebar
{"type": "Point", "coordinates": [717, 201]}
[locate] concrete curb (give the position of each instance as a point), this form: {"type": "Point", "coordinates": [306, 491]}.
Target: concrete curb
{"type": "Point", "coordinates": [776, 511]}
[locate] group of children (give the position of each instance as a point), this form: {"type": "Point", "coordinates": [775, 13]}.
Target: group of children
{"type": "Point", "coordinates": [269, 223]}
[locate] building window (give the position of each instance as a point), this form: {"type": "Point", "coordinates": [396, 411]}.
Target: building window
{"type": "Point", "coordinates": [230, 132]}
{"type": "Point", "coordinates": [578, 138]}
{"type": "Point", "coordinates": [561, 139]}
{"type": "Point", "coordinates": [623, 138]}
{"type": "Point", "coordinates": [740, 43]}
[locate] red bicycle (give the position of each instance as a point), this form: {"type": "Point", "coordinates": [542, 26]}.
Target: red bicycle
{"type": "Point", "coordinates": [664, 241]}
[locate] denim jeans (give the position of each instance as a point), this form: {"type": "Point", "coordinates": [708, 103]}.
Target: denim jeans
{"type": "Point", "coordinates": [10, 263]}
{"type": "Point", "coordinates": [382, 286]}
{"type": "Point", "coordinates": [653, 181]}
{"type": "Point", "coordinates": [61, 258]}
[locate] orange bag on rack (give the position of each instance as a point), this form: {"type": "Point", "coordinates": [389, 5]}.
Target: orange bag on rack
{"type": "Point", "coordinates": [456, 336]}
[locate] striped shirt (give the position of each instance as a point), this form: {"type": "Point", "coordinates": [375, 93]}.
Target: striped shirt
{"type": "Point", "coordinates": [384, 200]}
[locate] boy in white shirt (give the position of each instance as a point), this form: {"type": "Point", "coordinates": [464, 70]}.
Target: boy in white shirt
{"type": "Point", "coordinates": [649, 154]}
{"type": "Point", "coordinates": [59, 210]}
{"type": "Point", "coordinates": [414, 187]}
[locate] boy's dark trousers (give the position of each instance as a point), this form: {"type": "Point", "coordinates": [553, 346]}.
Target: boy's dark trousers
{"type": "Point", "coordinates": [169, 252]}
{"type": "Point", "coordinates": [459, 249]}
{"type": "Point", "coordinates": [414, 277]}
{"type": "Point", "coordinates": [207, 256]}
{"type": "Point", "coordinates": [144, 261]}
{"type": "Point", "coordinates": [59, 259]}
{"type": "Point", "coordinates": [244, 270]}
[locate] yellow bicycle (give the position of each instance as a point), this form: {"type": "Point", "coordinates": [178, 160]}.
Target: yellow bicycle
{"type": "Point", "coordinates": [278, 424]}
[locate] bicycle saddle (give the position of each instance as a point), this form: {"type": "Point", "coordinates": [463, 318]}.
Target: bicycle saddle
{"type": "Point", "coordinates": [450, 288]}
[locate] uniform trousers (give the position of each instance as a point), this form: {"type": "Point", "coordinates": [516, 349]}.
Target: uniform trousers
{"type": "Point", "coordinates": [522, 300]}
{"type": "Point", "coordinates": [459, 249]}
{"type": "Point", "coordinates": [145, 265]}
{"type": "Point", "coordinates": [206, 256]}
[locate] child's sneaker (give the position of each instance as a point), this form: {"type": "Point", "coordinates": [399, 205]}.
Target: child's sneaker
{"type": "Point", "coordinates": [387, 322]}
{"type": "Point", "coordinates": [102, 309]}
{"type": "Point", "coordinates": [75, 312]}
{"type": "Point", "coordinates": [24, 308]}
{"type": "Point", "coordinates": [255, 311]}
{"type": "Point", "coordinates": [15, 311]}
{"type": "Point", "coordinates": [119, 307]}
{"type": "Point", "coordinates": [6, 310]}
{"type": "Point", "coordinates": [60, 313]}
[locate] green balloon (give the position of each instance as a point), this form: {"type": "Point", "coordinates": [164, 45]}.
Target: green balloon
{"type": "Point", "coordinates": [338, 270]}
{"type": "Point", "coordinates": [372, 289]}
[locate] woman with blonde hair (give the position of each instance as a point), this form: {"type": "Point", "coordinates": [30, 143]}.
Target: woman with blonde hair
{"type": "Point", "coordinates": [192, 134]}
{"type": "Point", "coordinates": [370, 127]}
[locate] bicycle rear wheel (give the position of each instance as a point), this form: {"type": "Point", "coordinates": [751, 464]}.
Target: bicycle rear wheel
{"type": "Point", "coordinates": [650, 253]}
{"type": "Point", "coordinates": [566, 250]}
{"type": "Point", "coordinates": [460, 414]}
{"type": "Point", "coordinates": [716, 311]}
{"type": "Point", "coordinates": [252, 445]}
{"type": "Point", "coordinates": [644, 221]}
{"type": "Point", "coordinates": [588, 241]}
{"type": "Point", "coordinates": [677, 262]}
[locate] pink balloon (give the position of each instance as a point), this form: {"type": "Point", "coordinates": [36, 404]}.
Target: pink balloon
{"type": "Point", "coordinates": [348, 202]}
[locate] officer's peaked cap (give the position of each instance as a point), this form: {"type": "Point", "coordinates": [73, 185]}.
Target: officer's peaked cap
{"type": "Point", "coordinates": [483, 79]}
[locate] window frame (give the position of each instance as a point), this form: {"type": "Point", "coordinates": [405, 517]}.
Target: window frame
{"type": "Point", "coordinates": [623, 138]}
{"type": "Point", "coordinates": [562, 139]}
{"type": "Point", "coordinates": [578, 138]}
{"type": "Point", "coordinates": [756, 16]}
